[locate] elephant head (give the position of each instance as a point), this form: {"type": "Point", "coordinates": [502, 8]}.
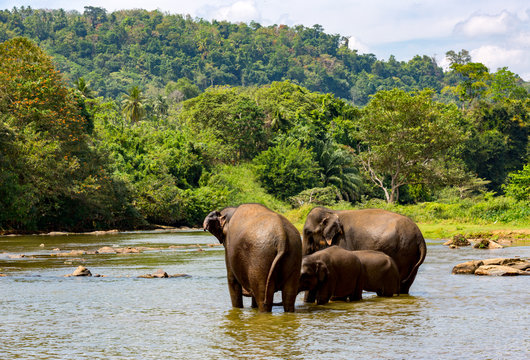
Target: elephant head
{"type": "Point", "coordinates": [217, 221]}
{"type": "Point", "coordinates": [321, 229]}
{"type": "Point", "coordinates": [314, 272]}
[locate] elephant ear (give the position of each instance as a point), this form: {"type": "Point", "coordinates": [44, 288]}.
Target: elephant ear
{"type": "Point", "coordinates": [331, 228]}
{"type": "Point", "coordinates": [215, 224]}
{"type": "Point", "coordinates": [322, 271]}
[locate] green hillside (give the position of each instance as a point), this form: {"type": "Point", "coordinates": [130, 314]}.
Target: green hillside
{"type": "Point", "coordinates": [134, 118]}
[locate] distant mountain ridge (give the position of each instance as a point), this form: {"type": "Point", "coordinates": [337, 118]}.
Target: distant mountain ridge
{"type": "Point", "coordinates": [113, 51]}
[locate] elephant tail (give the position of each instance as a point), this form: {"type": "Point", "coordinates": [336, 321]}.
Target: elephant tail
{"type": "Point", "coordinates": [274, 265]}
{"type": "Point", "coordinates": [423, 253]}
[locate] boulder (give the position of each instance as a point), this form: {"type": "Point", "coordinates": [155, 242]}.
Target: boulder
{"type": "Point", "coordinates": [468, 267]}
{"type": "Point", "coordinates": [81, 271]}
{"type": "Point", "coordinates": [494, 267]}
{"type": "Point", "coordinates": [499, 270]}
{"type": "Point", "coordinates": [160, 274]}
{"type": "Point", "coordinates": [457, 241]}
{"type": "Point", "coordinates": [487, 244]}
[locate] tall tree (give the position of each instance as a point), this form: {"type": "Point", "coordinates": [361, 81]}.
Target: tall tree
{"type": "Point", "coordinates": [407, 138]}
{"type": "Point", "coordinates": [460, 58]}
{"type": "Point", "coordinates": [133, 105]}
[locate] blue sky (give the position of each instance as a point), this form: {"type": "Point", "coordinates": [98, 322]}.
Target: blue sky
{"type": "Point", "coordinates": [496, 33]}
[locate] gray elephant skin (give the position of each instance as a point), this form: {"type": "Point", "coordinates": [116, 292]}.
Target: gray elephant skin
{"type": "Point", "coordinates": [368, 229]}
{"type": "Point", "coordinates": [263, 254]}
{"type": "Point", "coordinates": [381, 274]}
{"type": "Point", "coordinates": [331, 273]}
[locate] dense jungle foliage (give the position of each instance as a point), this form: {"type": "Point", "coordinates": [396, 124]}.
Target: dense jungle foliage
{"type": "Point", "coordinates": [114, 51]}
{"type": "Point", "coordinates": [158, 119]}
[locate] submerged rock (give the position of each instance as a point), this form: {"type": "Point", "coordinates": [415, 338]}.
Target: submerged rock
{"type": "Point", "coordinates": [160, 274]}
{"type": "Point", "coordinates": [106, 250]}
{"type": "Point", "coordinates": [71, 253]}
{"type": "Point", "coordinates": [123, 250]}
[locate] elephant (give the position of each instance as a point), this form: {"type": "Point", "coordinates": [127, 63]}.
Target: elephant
{"type": "Point", "coordinates": [263, 254]}
{"type": "Point", "coordinates": [331, 273]}
{"type": "Point", "coordinates": [368, 229]}
{"type": "Point", "coordinates": [381, 274]}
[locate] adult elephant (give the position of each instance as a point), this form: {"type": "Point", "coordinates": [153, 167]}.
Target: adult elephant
{"type": "Point", "coordinates": [369, 229]}
{"type": "Point", "coordinates": [263, 254]}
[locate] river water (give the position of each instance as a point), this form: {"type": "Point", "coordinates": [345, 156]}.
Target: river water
{"type": "Point", "coordinates": [44, 315]}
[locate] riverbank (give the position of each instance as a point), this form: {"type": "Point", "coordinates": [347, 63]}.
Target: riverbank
{"type": "Point", "coordinates": [154, 228]}
{"type": "Point", "coordinates": [502, 233]}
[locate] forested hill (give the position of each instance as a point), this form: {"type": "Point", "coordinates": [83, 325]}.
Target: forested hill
{"type": "Point", "coordinates": [114, 51]}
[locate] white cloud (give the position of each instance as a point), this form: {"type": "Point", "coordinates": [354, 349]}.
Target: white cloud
{"type": "Point", "coordinates": [356, 44]}
{"type": "Point", "coordinates": [244, 11]}
{"type": "Point", "coordinates": [495, 57]}
{"type": "Point", "coordinates": [484, 25]}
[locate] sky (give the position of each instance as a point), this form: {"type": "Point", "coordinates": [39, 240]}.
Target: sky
{"type": "Point", "coordinates": [496, 33]}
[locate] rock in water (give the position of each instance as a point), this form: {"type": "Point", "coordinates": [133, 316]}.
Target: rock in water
{"type": "Point", "coordinates": [160, 274]}
{"type": "Point", "coordinates": [498, 270]}
{"type": "Point", "coordinates": [468, 267]}
{"type": "Point", "coordinates": [495, 267]}
{"type": "Point", "coordinates": [81, 271]}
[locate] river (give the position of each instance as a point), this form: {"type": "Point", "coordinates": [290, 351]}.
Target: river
{"type": "Point", "coordinates": [44, 315]}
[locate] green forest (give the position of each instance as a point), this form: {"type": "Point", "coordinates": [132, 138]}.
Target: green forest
{"type": "Point", "coordinates": [133, 118]}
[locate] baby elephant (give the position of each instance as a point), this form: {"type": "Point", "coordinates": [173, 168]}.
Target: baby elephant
{"type": "Point", "coordinates": [381, 274]}
{"type": "Point", "coordinates": [331, 272]}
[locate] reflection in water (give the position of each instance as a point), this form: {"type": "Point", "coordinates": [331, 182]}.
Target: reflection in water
{"type": "Point", "coordinates": [250, 334]}
{"type": "Point", "coordinates": [46, 316]}
{"type": "Point", "coordinates": [334, 330]}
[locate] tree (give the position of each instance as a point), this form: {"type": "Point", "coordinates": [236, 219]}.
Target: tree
{"type": "Point", "coordinates": [407, 138]}
{"type": "Point", "coordinates": [286, 169]}
{"type": "Point", "coordinates": [133, 106]}
{"type": "Point", "coordinates": [506, 85]}
{"type": "Point", "coordinates": [518, 185]}
{"type": "Point", "coordinates": [338, 170]}
{"type": "Point", "coordinates": [228, 120]}
{"type": "Point", "coordinates": [498, 139]}
{"type": "Point", "coordinates": [473, 82]}
{"type": "Point", "coordinates": [83, 86]}
{"type": "Point", "coordinates": [460, 58]}
{"type": "Point", "coordinates": [55, 178]}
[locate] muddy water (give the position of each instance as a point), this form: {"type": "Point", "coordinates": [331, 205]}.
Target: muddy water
{"type": "Point", "coordinates": [44, 315]}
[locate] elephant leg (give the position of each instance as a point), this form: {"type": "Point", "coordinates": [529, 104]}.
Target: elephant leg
{"type": "Point", "coordinates": [289, 292]}
{"type": "Point", "coordinates": [323, 295]}
{"type": "Point", "coordinates": [357, 293]}
{"type": "Point", "coordinates": [268, 297]}
{"type": "Point", "coordinates": [310, 296]}
{"type": "Point", "coordinates": [236, 291]}
{"type": "Point", "coordinates": [254, 303]}
{"type": "Point", "coordinates": [405, 285]}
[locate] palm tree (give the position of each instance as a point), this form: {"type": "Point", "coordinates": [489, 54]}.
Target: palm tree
{"type": "Point", "coordinates": [160, 105]}
{"type": "Point", "coordinates": [133, 107]}
{"type": "Point", "coordinates": [337, 170]}
{"type": "Point", "coordinates": [83, 87]}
